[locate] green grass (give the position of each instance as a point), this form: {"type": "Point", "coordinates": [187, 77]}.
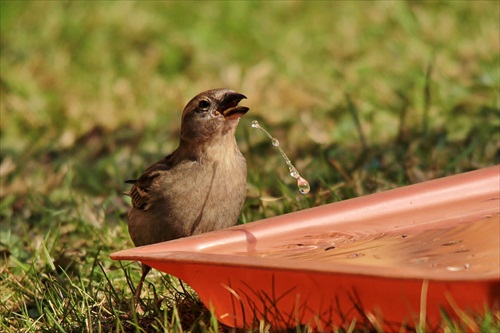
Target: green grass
{"type": "Point", "coordinates": [363, 97]}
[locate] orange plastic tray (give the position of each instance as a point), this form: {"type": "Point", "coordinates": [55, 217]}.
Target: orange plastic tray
{"type": "Point", "coordinates": [392, 256]}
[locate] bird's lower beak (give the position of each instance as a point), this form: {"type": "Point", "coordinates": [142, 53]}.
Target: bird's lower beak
{"type": "Point", "coordinates": [230, 108]}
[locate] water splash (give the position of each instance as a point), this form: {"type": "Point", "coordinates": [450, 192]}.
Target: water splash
{"type": "Point", "coordinates": [302, 183]}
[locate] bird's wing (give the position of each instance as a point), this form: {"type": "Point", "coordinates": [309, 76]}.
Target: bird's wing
{"type": "Point", "coordinates": [139, 193]}
{"type": "Point", "coordinates": [163, 164]}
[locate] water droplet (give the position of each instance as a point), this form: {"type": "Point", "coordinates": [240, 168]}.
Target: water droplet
{"type": "Point", "coordinates": [419, 260]}
{"type": "Point", "coordinates": [461, 250]}
{"type": "Point", "coordinates": [294, 173]}
{"type": "Point", "coordinates": [449, 243]}
{"type": "Point", "coordinates": [455, 268]}
{"type": "Point", "coordinates": [467, 266]}
{"type": "Point", "coordinates": [303, 185]}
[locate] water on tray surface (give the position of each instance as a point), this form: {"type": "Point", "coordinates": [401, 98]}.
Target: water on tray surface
{"type": "Point", "coordinates": [470, 246]}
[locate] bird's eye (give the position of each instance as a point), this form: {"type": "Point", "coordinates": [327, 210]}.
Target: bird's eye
{"type": "Point", "coordinates": [204, 105]}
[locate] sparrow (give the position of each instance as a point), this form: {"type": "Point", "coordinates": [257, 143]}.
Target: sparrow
{"type": "Point", "coordinates": [198, 188]}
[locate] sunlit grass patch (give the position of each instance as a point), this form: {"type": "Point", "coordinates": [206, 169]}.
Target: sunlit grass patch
{"type": "Point", "coordinates": [363, 98]}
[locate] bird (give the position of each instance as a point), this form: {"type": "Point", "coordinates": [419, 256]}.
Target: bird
{"type": "Point", "coordinates": [198, 188]}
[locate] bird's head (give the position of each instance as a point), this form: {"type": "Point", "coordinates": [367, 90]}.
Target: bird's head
{"type": "Point", "coordinates": [211, 113]}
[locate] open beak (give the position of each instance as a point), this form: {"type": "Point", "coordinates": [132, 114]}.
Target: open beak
{"type": "Point", "coordinates": [230, 108]}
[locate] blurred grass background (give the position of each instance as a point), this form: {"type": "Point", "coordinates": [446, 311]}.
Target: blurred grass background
{"type": "Point", "coordinates": [363, 96]}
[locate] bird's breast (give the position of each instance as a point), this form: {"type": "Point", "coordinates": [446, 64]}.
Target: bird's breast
{"type": "Point", "coordinates": [206, 195]}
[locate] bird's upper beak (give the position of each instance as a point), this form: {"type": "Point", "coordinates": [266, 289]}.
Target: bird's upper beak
{"type": "Point", "coordinates": [230, 108]}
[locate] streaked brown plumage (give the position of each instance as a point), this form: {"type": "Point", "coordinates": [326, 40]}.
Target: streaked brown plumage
{"type": "Point", "coordinates": [198, 188]}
